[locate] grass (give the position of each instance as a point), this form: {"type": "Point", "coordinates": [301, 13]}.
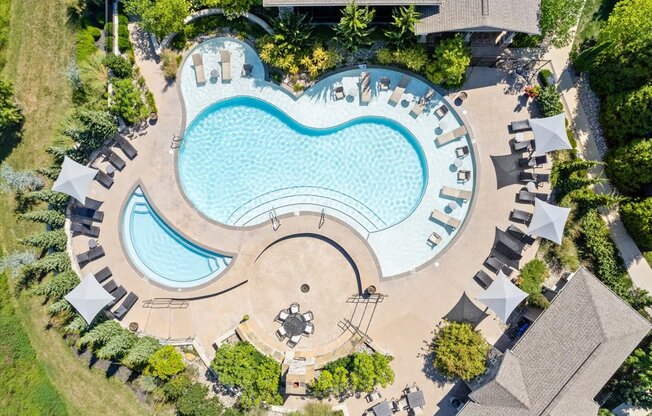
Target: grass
{"type": "Point", "coordinates": [648, 257]}
{"type": "Point", "coordinates": [594, 15]}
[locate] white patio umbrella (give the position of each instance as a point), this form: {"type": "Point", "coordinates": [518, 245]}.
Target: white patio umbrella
{"type": "Point", "coordinates": [548, 221]}
{"type": "Point", "coordinates": [550, 133]}
{"type": "Point", "coordinates": [502, 296]}
{"type": "Point", "coordinates": [89, 297]}
{"type": "Point", "coordinates": [74, 179]}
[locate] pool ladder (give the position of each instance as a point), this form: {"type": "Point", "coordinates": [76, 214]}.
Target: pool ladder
{"type": "Point", "coordinates": [276, 223]}
{"type": "Point", "coordinates": [322, 219]}
{"type": "Point", "coordinates": [176, 141]}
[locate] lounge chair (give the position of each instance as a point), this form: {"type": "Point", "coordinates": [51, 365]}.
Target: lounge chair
{"type": "Point", "coordinates": [308, 316]}
{"type": "Point", "coordinates": [496, 265]}
{"type": "Point", "coordinates": [384, 83]}
{"type": "Point", "coordinates": [310, 329]}
{"type": "Point", "coordinates": [521, 216]}
{"type": "Point", "coordinates": [441, 111]}
{"type": "Point", "coordinates": [103, 274]}
{"type": "Point", "coordinates": [531, 162]}
{"type": "Point", "coordinates": [117, 294]}
{"type": "Point", "coordinates": [456, 193]}
{"type": "Point", "coordinates": [509, 247]}
{"type": "Point", "coordinates": [450, 136]}
{"type": "Point", "coordinates": [339, 92]}
{"type": "Point", "coordinates": [524, 145]}
{"type": "Point", "coordinates": [114, 159]}
{"type": "Point", "coordinates": [533, 177]}
{"type": "Point", "coordinates": [365, 88]}
{"type": "Point", "coordinates": [87, 230]}
{"type": "Point", "coordinates": [520, 235]}
{"type": "Point", "coordinates": [434, 240]}
{"type": "Point", "coordinates": [421, 104]}
{"type": "Point", "coordinates": [399, 90]}
{"type": "Point", "coordinates": [528, 197]}
{"type": "Point", "coordinates": [445, 219]}
{"type": "Point", "coordinates": [198, 63]}
{"type": "Point", "coordinates": [110, 286]}
{"type": "Point", "coordinates": [104, 179]}
{"type": "Point", "coordinates": [93, 203]}
{"type": "Point", "coordinates": [126, 305]}
{"type": "Point", "coordinates": [463, 176]}
{"type": "Point", "coordinates": [90, 255]}
{"type": "Point", "coordinates": [127, 148]}
{"type": "Point", "coordinates": [483, 279]}
{"type": "Point", "coordinates": [91, 214]}
{"type": "Point", "coordinates": [225, 59]}
{"type": "Point", "coordinates": [246, 70]}
{"type": "Point", "coordinates": [462, 151]}
{"type": "Point", "coordinates": [521, 125]}
{"type": "Point", "coordinates": [281, 333]}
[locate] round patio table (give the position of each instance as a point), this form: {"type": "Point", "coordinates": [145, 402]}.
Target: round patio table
{"type": "Point", "coordinates": [294, 324]}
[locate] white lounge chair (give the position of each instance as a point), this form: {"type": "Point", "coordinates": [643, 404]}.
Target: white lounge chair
{"type": "Point", "coordinates": [365, 88]}
{"type": "Point", "coordinates": [198, 63]}
{"type": "Point", "coordinates": [450, 136]}
{"type": "Point", "coordinates": [225, 58]}
{"type": "Point", "coordinates": [456, 193]}
{"type": "Point", "coordinates": [421, 104]}
{"type": "Point", "coordinates": [445, 219]}
{"type": "Point", "coordinates": [398, 91]}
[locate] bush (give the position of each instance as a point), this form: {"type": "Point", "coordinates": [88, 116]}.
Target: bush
{"type": "Point", "coordinates": [544, 76]}
{"type": "Point", "coordinates": [414, 58]}
{"type": "Point", "coordinates": [319, 61]}
{"type": "Point", "coordinates": [637, 217]}
{"type": "Point", "coordinates": [523, 40]}
{"type": "Point", "coordinates": [628, 115]}
{"type": "Point", "coordinates": [567, 254]}
{"type": "Point", "coordinates": [85, 44]}
{"type": "Point", "coordinates": [537, 300]}
{"type": "Point", "coordinates": [176, 387]}
{"type": "Point", "coordinates": [120, 67]}
{"type": "Point", "coordinates": [356, 372]}
{"type": "Point", "coordinates": [449, 63]}
{"type": "Point", "coordinates": [460, 351]}
{"type": "Point", "coordinates": [127, 101]}
{"type": "Point", "coordinates": [170, 63]}
{"type": "Point", "coordinates": [165, 363]}
{"type": "Point", "coordinates": [532, 276]}
{"type": "Point", "coordinates": [549, 101]}
{"type": "Point", "coordinates": [193, 402]}
{"type": "Point", "coordinates": [96, 32]}
{"type": "Point", "coordinates": [629, 167]}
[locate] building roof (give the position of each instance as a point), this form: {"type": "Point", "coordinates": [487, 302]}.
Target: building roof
{"type": "Point", "coordinates": [480, 16]}
{"type": "Point", "coordinates": [335, 3]}
{"type": "Point", "coordinates": [565, 358]}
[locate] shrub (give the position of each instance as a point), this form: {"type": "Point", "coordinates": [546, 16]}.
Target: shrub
{"type": "Point", "coordinates": [637, 217]}
{"type": "Point", "coordinates": [628, 115]}
{"type": "Point", "coordinates": [401, 31]}
{"type": "Point", "coordinates": [127, 101]}
{"type": "Point", "coordinates": [549, 101]}
{"type": "Point", "coordinates": [165, 363]}
{"type": "Point", "coordinates": [353, 28]}
{"type": "Point", "coordinates": [414, 58]}
{"type": "Point", "coordinates": [140, 353]}
{"type": "Point", "coordinates": [537, 300]}
{"type": "Point", "coordinates": [292, 32]}
{"type": "Point", "coordinates": [96, 32]}
{"type": "Point", "coordinates": [10, 114]}
{"type": "Point", "coordinates": [449, 63]}
{"type": "Point", "coordinates": [544, 77]}
{"type": "Point", "coordinates": [19, 181]}
{"type": "Point", "coordinates": [532, 276]}
{"type": "Point", "coordinates": [176, 386]}
{"type": "Point", "coordinates": [358, 372]}
{"type": "Point", "coordinates": [170, 63]}
{"type": "Point", "coordinates": [193, 402]}
{"type": "Point", "coordinates": [629, 167]}
{"type": "Point", "coordinates": [85, 44]}
{"type": "Point", "coordinates": [57, 286]}
{"type": "Point", "coordinates": [319, 61]}
{"type": "Point", "coordinates": [118, 65]}
{"type": "Point", "coordinates": [460, 351]}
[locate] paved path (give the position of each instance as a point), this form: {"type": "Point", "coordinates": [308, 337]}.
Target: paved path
{"type": "Point", "coordinates": [637, 268]}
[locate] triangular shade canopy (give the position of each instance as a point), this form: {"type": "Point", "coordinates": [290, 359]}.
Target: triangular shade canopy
{"type": "Point", "coordinates": [550, 133]}
{"type": "Point", "coordinates": [548, 221]}
{"type": "Point", "coordinates": [74, 179]}
{"type": "Point", "coordinates": [465, 311]}
{"type": "Point", "coordinates": [502, 296]}
{"type": "Point", "coordinates": [89, 298]}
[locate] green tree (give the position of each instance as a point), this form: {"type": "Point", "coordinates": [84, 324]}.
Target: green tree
{"type": "Point", "coordinates": [637, 217]}
{"type": "Point", "coordinates": [58, 200]}
{"type": "Point", "coordinates": [633, 381]}
{"type": "Point", "coordinates": [54, 218]}
{"type": "Point", "coordinates": [136, 7]}
{"type": "Point", "coordinates": [413, 58]}
{"type": "Point", "coordinates": [10, 114]}
{"type": "Point", "coordinates": [232, 8]}
{"type": "Point", "coordinates": [549, 101]}
{"type": "Point", "coordinates": [569, 175]}
{"type": "Point", "coordinates": [176, 387]}
{"type": "Point", "coordinates": [460, 351]}
{"type": "Point", "coordinates": [404, 20]}
{"type": "Point", "coordinates": [532, 276]}
{"type": "Point", "coordinates": [48, 240]}
{"type": "Point", "coordinates": [628, 115]}
{"type": "Point", "coordinates": [449, 62]}
{"type": "Point", "coordinates": [140, 353]}
{"type": "Point", "coordinates": [164, 16]}
{"type": "Point", "coordinates": [557, 18]}
{"type": "Point", "coordinates": [353, 29]}
{"type": "Point", "coordinates": [322, 386]}
{"type": "Point", "coordinates": [100, 334]}
{"type": "Point", "coordinates": [57, 286]}
{"type": "Point", "coordinates": [292, 32]}
{"type": "Point", "coordinates": [165, 363]}
{"type": "Point", "coordinates": [117, 346]}
{"type": "Point", "coordinates": [127, 101]}
{"type": "Point", "coordinates": [193, 402]}
{"type": "Point", "coordinates": [119, 66]}
{"type": "Point", "coordinates": [90, 128]}
{"type": "Point", "coordinates": [52, 263]}
{"type": "Point", "coordinates": [629, 167]}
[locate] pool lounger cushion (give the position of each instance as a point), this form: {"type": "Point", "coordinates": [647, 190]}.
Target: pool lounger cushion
{"type": "Point", "coordinates": [127, 147]}
{"type": "Point", "coordinates": [110, 286]}
{"type": "Point", "coordinates": [521, 216]}
{"type": "Point", "coordinates": [530, 162]}
{"type": "Point", "coordinates": [528, 197]}
{"type": "Point", "coordinates": [421, 104]}
{"type": "Point", "coordinates": [198, 62]}
{"type": "Point", "coordinates": [483, 279]}
{"type": "Point", "coordinates": [456, 193]}
{"type": "Point", "coordinates": [92, 254]}
{"type": "Point", "coordinates": [520, 235]}
{"type": "Point", "coordinates": [533, 177]}
{"type": "Point", "coordinates": [525, 145]}
{"type": "Point", "coordinates": [225, 60]}
{"type": "Point", "coordinates": [521, 125]}
{"type": "Point", "coordinates": [398, 91]}
{"type": "Point", "coordinates": [104, 179]}
{"type": "Point", "coordinates": [83, 229]}
{"type": "Point", "coordinates": [92, 214]}
{"type": "Point", "coordinates": [103, 274]}
{"type": "Point", "coordinates": [126, 305]}
{"type": "Point", "coordinates": [365, 88]}
{"type": "Point", "coordinates": [115, 160]}
{"type": "Point", "coordinates": [450, 136]}
{"type": "Point", "coordinates": [496, 265]}
{"type": "Point", "coordinates": [117, 294]}
{"type": "Point", "coordinates": [445, 219]}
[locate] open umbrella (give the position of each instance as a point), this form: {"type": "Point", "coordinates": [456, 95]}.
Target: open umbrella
{"type": "Point", "coordinates": [550, 133]}
{"type": "Point", "coordinates": [548, 221]}
{"type": "Point", "coordinates": [74, 179]}
{"type": "Point", "coordinates": [502, 296]}
{"type": "Point", "coordinates": [465, 311]}
{"type": "Point", "coordinates": [89, 298]}
{"type": "Point", "coordinates": [507, 169]}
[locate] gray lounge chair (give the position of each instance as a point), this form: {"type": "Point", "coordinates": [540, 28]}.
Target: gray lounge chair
{"type": "Point", "coordinates": [509, 247]}
{"type": "Point", "coordinates": [110, 286]}
{"type": "Point", "coordinates": [524, 145]}
{"type": "Point", "coordinates": [450, 136]}
{"type": "Point", "coordinates": [225, 59]}
{"type": "Point", "coordinates": [521, 216]}
{"type": "Point", "coordinates": [104, 179]}
{"type": "Point", "coordinates": [483, 279]}
{"type": "Point", "coordinates": [87, 230]}
{"type": "Point", "coordinates": [528, 197]}
{"type": "Point", "coordinates": [126, 305]}
{"type": "Point", "coordinates": [463, 176]}
{"type": "Point", "coordinates": [115, 160]}
{"type": "Point", "coordinates": [129, 150]}
{"type": "Point", "coordinates": [103, 274]}
{"type": "Point", "coordinates": [531, 162]}
{"type": "Point", "coordinates": [441, 111]}
{"type": "Point", "coordinates": [246, 70]}
{"type": "Point", "coordinates": [365, 88]}
{"type": "Point", "coordinates": [93, 203]}
{"type": "Point", "coordinates": [198, 63]}
{"type": "Point", "coordinates": [445, 219]}
{"type": "Point", "coordinates": [399, 90]}
{"type": "Point", "coordinates": [90, 255]}
{"type": "Point", "coordinates": [533, 177]}
{"type": "Point", "coordinates": [421, 104]}
{"type": "Point", "coordinates": [117, 294]}
{"type": "Point", "coordinates": [520, 235]}
{"type": "Point", "coordinates": [521, 125]}
{"type": "Point", "coordinates": [496, 265]}
{"type": "Point", "coordinates": [462, 151]}
{"type": "Point", "coordinates": [92, 214]}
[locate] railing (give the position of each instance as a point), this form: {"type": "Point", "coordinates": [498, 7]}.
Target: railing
{"type": "Point", "coordinates": [166, 303]}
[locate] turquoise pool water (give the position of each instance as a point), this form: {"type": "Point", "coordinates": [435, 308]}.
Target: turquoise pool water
{"type": "Point", "coordinates": [242, 157]}
{"type": "Point", "coordinates": [160, 253]}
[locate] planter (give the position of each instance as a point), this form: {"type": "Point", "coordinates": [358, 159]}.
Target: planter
{"type": "Point", "coordinates": [133, 326]}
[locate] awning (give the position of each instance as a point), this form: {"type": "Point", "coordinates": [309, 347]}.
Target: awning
{"type": "Point", "coordinates": [74, 179]}
{"type": "Point", "coordinates": [550, 133]}
{"type": "Point", "coordinates": [465, 311]}
{"type": "Point", "coordinates": [89, 298]}
{"type": "Point", "coordinates": [502, 296]}
{"type": "Point", "coordinates": [548, 221]}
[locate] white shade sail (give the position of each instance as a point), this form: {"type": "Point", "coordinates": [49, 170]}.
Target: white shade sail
{"type": "Point", "coordinates": [74, 179]}
{"type": "Point", "coordinates": [89, 298]}
{"type": "Point", "coordinates": [550, 133]}
{"type": "Point", "coordinates": [502, 296]}
{"type": "Point", "coordinates": [548, 221]}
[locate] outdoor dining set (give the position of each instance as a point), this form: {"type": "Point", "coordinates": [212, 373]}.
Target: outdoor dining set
{"type": "Point", "coordinates": [294, 324]}
{"type": "Point", "coordinates": [412, 400]}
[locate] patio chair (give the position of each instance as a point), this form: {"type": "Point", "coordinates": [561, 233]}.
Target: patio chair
{"type": "Point", "coordinates": [246, 70]}
{"type": "Point", "coordinates": [533, 177]}
{"type": "Point", "coordinates": [462, 151]}
{"type": "Point", "coordinates": [521, 125]}
{"type": "Point", "coordinates": [309, 329]}
{"type": "Point", "coordinates": [421, 104]}
{"type": "Point", "coordinates": [198, 63]}
{"type": "Point", "coordinates": [117, 294]}
{"type": "Point", "coordinates": [339, 92]}
{"type": "Point", "coordinates": [308, 316]}
{"type": "Point", "coordinates": [399, 90]}
{"type": "Point", "coordinates": [441, 111]}
{"type": "Point", "coordinates": [510, 248]}
{"type": "Point", "coordinates": [126, 306]}
{"type": "Point", "coordinates": [373, 396]}
{"type": "Point", "coordinates": [527, 145]}
{"type": "Point", "coordinates": [434, 240]}
{"type": "Point", "coordinates": [292, 342]}
{"type": "Point", "coordinates": [463, 176]}
{"type": "Point", "coordinates": [445, 219]}
{"type": "Point", "coordinates": [110, 286]}
{"type": "Point", "coordinates": [520, 235]}
{"type": "Point", "coordinates": [456, 193]}
{"type": "Point", "coordinates": [528, 197]}
{"type": "Point", "coordinates": [87, 230]}
{"type": "Point", "coordinates": [104, 179]}
{"type": "Point", "coordinates": [450, 136]}
{"type": "Point", "coordinates": [365, 88]}
{"type": "Point", "coordinates": [384, 83]}
{"type": "Point", "coordinates": [103, 274]}
{"type": "Point", "coordinates": [496, 265]}
{"type": "Point", "coordinates": [225, 60]}
{"type": "Point", "coordinates": [92, 214]}
{"type": "Point", "coordinates": [127, 148]}
{"type": "Point", "coordinates": [415, 411]}
{"type": "Point", "coordinates": [483, 279]}
{"type": "Point", "coordinates": [294, 308]}
{"type": "Point", "coordinates": [281, 333]}
{"type": "Point", "coordinates": [115, 160]}
{"type": "Point", "coordinates": [531, 162]}
{"type": "Point", "coordinates": [282, 316]}
{"type": "Point", "coordinates": [90, 255]}
{"type": "Point", "coordinates": [93, 204]}
{"type": "Point", "coordinates": [521, 216]}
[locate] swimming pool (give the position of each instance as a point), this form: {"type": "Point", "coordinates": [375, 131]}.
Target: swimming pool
{"type": "Point", "coordinates": [242, 157]}
{"type": "Point", "coordinates": [160, 253]}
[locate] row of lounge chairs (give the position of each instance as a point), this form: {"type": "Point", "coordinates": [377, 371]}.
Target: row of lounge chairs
{"type": "Point", "coordinates": [118, 292]}
{"type": "Point", "coordinates": [225, 63]}
{"type": "Point", "coordinates": [421, 104]}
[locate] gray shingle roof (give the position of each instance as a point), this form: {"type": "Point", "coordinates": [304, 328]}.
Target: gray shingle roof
{"type": "Point", "coordinates": [276, 3]}
{"type": "Point", "coordinates": [566, 357]}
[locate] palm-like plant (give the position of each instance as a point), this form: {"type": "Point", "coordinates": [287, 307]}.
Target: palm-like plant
{"type": "Point", "coordinates": [402, 28]}
{"type": "Point", "coordinates": [293, 32]}
{"type": "Point", "coordinates": [353, 29]}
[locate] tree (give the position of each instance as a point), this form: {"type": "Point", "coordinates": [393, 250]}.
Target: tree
{"type": "Point", "coordinates": [353, 28]}
{"type": "Point", "coordinates": [164, 16]}
{"type": "Point", "coordinates": [58, 286]}
{"type": "Point", "coordinates": [628, 115]}
{"type": "Point", "coordinates": [549, 101]}
{"type": "Point", "coordinates": [127, 101]}
{"type": "Point", "coordinates": [413, 58]}
{"type": "Point", "coordinates": [119, 66]}
{"type": "Point", "coordinates": [193, 402]}
{"type": "Point", "coordinates": [58, 200]}
{"type": "Point", "coordinates": [91, 128]}
{"type": "Point", "coordinates": [322, 385]}
{"type": "Point", "coordinates": [10, 114]}
{"type": "Point", "coordinates": [54, 218]}
{"type": "Point", "coordinates": [292, 32]}
{"type": "Point", "coordinates": [404, 20]}
{"type": "Point", "coordinates": [557, 18]}
{"type": "Point", "coordinates": [140, 353]}
{"type": "Point", "coordinates": [100, 334]}
{"type": "Point", "coordinates": [117, 346]}
{"type": "Point", "coordinates": [449, 63]}
{"type": "Point", "coordinates": [232, 8]}
{"type": "Point", "coordinates": [629, 167]}
{"type": "Point", "coordinates": [176, 387]}
{"type": "Point", "coordinates": [633, 381]}
{"type": "Point", "coordinates": [637, 217]}
{"type": "Point", "coordinates": [165, 363]}
{"type": "Point", "coordinates": [48, 240]}
{"type": "Point", "coordinates": [460, 351]}
{"type": "Point", "coordinates": [136, 7]}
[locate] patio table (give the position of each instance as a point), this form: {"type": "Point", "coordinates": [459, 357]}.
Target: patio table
{"type": "Point", "coordinates": [416, 399]}
{"type": "Point", "coordinates": [294, 324]}
{"type": "Point", "coordinates": [382, 409]}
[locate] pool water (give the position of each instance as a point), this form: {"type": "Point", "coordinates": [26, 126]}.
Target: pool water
{"type": "Point", "coordinates": [160, 253]}
{"type": "Point", "coordinates": [242, 157]}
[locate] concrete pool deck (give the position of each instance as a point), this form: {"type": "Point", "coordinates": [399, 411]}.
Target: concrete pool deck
{"type": "Point", "coordinates": [402, 324]}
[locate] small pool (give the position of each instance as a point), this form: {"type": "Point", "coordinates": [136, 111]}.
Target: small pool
{"type": "Point", "coordinates": [243, 157]}
{"type": "Point", "coordinates": [160, 253]}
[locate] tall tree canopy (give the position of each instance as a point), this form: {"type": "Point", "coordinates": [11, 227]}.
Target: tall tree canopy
{"type": "Point", "coordinates": [353, 29]}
